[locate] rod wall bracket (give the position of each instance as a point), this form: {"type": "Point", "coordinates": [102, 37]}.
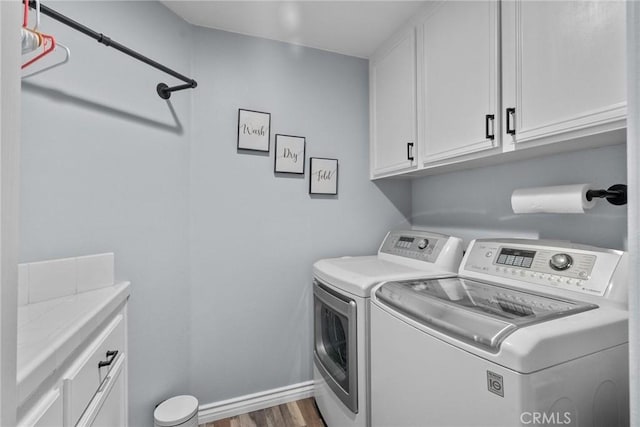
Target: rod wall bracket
{"type": "Point", "coordinates": [616, 194]}
{"type": "Point", "coordinates": [162, 91]}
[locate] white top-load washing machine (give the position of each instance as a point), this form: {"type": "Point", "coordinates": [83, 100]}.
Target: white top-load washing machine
{"type": "Point", "coordinates": [341, 288]}
{"type": "Point", "coordinates": [529, 333]}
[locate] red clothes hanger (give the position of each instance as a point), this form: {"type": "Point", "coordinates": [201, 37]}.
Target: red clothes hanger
{"type": "Point", "coordinates": [48, 42]}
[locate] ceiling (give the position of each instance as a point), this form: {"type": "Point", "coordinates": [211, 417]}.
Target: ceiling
{"type": "Point", "coordinates": [353, 28]}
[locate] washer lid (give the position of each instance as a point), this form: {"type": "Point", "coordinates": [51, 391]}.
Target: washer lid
{"type": "Point", "coordinates": [175, 411]}
{"type": "Point", "coordinates": [481, 314]}
{"type": "Point", "coordinates": [357, 275]}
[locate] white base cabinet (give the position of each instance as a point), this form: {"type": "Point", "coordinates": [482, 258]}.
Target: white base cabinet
{"type": "Point", "coordinates": [498, 80]}
{"type": "Point", "coordinates": [92, 389]}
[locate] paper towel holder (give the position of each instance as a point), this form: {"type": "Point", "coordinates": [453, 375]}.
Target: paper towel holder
{"type": "Point", "coordinates": [616, 194]}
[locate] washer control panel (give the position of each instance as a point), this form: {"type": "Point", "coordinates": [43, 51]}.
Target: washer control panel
{"type": "Point", "coordinates": [583, 269]}
{"type": "Point", "coordinates": [419, 245]}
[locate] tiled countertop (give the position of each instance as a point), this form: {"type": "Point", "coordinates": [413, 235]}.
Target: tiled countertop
{"type": "Point", "coordinates": [50, 331]}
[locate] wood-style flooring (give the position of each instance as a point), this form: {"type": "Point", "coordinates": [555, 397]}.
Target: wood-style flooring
{"type": "Point", "coordinates": [302, 413]}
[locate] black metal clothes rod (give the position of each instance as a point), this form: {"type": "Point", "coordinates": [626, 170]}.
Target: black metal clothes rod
{"type": "Point", "coordinates": [163, 89]}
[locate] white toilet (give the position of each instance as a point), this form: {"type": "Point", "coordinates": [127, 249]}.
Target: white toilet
{"type": "Point", "coordinates": [179, 411]}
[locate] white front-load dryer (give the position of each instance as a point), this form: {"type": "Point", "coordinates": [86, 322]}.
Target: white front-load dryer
{"type": "Point", "coordinates": [341, 289]}
{"type": "Point", "coordinates": [529, 333]}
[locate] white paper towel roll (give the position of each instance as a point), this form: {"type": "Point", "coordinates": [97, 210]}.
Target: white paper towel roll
{"type": "Point", "coordinates": [556, 199]}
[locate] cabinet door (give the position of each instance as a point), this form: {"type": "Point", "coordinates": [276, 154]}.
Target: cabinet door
{"type": "Point", "coordinates": [458, 47]}
{"type": "Point", "coordinates": [563, 69]}
{"type": "Point", "coordinates": [393, 106]}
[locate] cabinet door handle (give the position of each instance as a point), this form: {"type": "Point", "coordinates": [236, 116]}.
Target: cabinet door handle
{"type": "Point", "coordinates": [510, 113]}
{"type": "Point", "coordinates": [410, 151]}
{"type": "Point", "coordinates": [111, 355]}
{"type": "Point", "coordinates": [488, 122]}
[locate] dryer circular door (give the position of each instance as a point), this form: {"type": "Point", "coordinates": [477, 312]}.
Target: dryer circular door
{"type": "Point", "coordinates": [335, 342]}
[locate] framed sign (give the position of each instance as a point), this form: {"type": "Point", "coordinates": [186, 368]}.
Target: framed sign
{"type": "Point", "coordinates": [289, 157]}
{"type": "Point", "coordinates": [323, 176]}
{"type": "Point", "coordinates": [254, 130]}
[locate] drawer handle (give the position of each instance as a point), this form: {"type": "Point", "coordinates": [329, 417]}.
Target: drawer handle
{"type": "Point", "coordinates": [488, 123]}
{"type": "Point", "coordinates": [510, 113]}
{"type": "Point", "coordinates": [111, 355]}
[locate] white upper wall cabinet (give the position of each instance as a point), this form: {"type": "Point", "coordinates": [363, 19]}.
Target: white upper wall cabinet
{"type": "Point", "coordinates": [563, 68]}
{"type": "Point", "coordinates": [392, 79]}
{"type": "Point", "coordinates": [458, 80]}
{"type": "Point", "coordinates": [498, 80]}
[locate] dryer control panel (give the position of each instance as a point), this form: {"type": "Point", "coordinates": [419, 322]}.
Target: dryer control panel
{"type": "Point", "coordinates": [578, 268]}
{"type": "Point", "coordinates": [418, 245]}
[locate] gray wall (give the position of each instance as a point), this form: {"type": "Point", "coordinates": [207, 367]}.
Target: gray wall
{"type": "Point", "coordinates": [105, 168]}
{"type": "Point", "coordinates": [218, 249]}
{"type": "Point", "coordinates": [480, 199]}
{"type": "Point", "coordinates": [254, 235]}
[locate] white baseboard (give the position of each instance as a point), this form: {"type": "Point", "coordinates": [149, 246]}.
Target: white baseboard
{"type": "Point", "coordinates": [252, 402]}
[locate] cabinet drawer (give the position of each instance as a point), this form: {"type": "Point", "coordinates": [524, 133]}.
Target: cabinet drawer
{"type": "Point", "coordinates": [83, 379]}
{"type": "Point", "coordinates": [107, 408]}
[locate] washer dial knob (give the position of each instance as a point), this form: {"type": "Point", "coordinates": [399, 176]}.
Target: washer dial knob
{"type": "Point", "coordinates": [560, 262]}
{"type": "Point", "coordinates": [423, 244]}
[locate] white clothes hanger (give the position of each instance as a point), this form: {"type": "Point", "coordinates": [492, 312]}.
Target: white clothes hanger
{"type": "Point", "coordinates": [31, 40]}
{"type": "Point", "coordinates": [67, 56]}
